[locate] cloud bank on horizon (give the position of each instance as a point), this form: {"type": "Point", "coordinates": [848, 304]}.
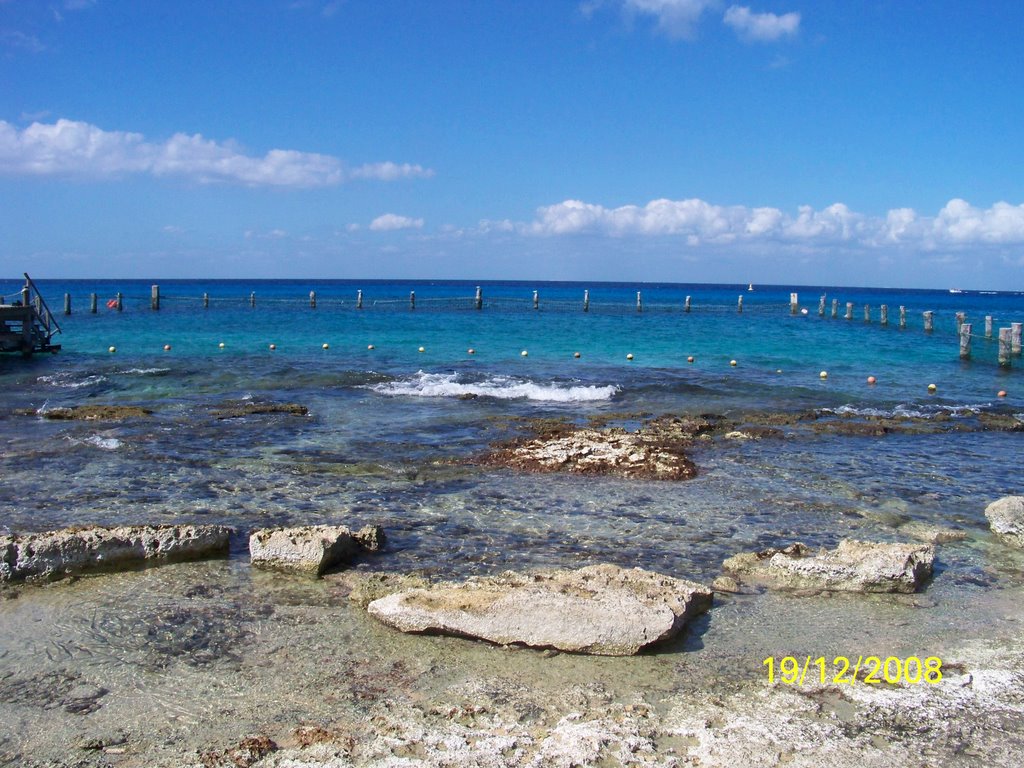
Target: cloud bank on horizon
{"type": "Point", "coordinates": [77, 149]}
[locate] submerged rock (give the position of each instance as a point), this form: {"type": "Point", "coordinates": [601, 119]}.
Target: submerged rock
{"type": "Point", "coordinates": [95, 413]}
{"type": "Point", "coordinates": [932, 534]}
{"type": "Point", "coordinates": [854, 566]}
{"type": "Point", "coordinates": [1006, 518]}
{"type": "Point", "coordinates": [56, 554]}
{"type": "Point", "coordinates": [311, 549]}
{"type": "Point", "coordinates": [602, 609]}
{"type": "Point", "coordinates": [238, 410]}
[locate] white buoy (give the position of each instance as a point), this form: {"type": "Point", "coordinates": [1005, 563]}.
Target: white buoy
{"type": "Point", "coordinates": [629, 356]}
{"type": "Point", "coordinates": [524, 353]}
{"type": "Point", "coordinates": [112, 349]}
{"type": "Point", "coordinates": [823, 375]}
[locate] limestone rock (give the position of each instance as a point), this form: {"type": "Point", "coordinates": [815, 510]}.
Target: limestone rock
{"type": "Point", "coordinates": [96, 413]}
{"type": "Point", "coordinates": [241, 409]}
{"type": "Point", "coordinates": [56, 554]}
{"type": "Point", "coordinates": [854, 566]}
{"type": "Point", "coordinates": [931, 534]}
{"type": "Point", "coordinates": [311, 549]}
{"type": "Point", "coordinates": [602, 609]}
{"type": "Point", "coordinates": [1006, 518]}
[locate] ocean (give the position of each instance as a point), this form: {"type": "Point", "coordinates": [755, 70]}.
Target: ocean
{"type": "Point", "coordinates": [398, 408]}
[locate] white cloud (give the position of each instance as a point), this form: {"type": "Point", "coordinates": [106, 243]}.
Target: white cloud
{"type": "Point", "coordinates": [761, 27]}
{"type": "Point", "coordinates": [21, 41]}
{"type": "Point", "coordinates": [676, 18]}
{"type": "Point", "coordinates": [696, 222]}
{"type": "Point", "coordinates": [392, 221]}
{"type": "Point", "coordinates": [72, 148]}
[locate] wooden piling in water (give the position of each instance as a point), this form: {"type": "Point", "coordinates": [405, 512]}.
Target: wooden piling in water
{"type": "Point", "coordinates": [536, 300]}
{"type": "Point", "coordinates": [849, 310]}
{"type": "Point", "coordinates": [686, 305]}
{"type": "Point", "coordinates": [988, 326]}
{"type": "Point", "coordinates": [67, 303]}
{"type": "Point", "coordinates": [965, 341]}
{"type": "Point", "coordinates": [412, 299]}
{"type": "Point", "coordinates": [794, 303]}
{"type": "Point", "coordinates": [252, 299]}
{"type": "Point", "coordinates": [119, 301]}
{"type": "Point", "coordinates": [821, 306]}
{"type": "Point", "coordinates": [586, 301]}
{"type": "Point", "coordinates": [739, 304]}
{"type": "Point", "coordinates": [154, 297]}
{"type": "Point", "coordinates": [903, 317]}
{"type": "Point", "coordinates": [1015, 340]}
{"type": "Point", "coordinates": [883, 314]}
{"type": "Point", "coordinates": [479, 301]}
{"type": "Point", "coordinates": [867, 313]}
{"type": "Point", "coordinates": [1004, 347]}
{"type": "Point", "coordinates": [206, 301]}
{"type": "Point", "coordinates": [92, 303]}
{"type": "Point", "coordinates": [639, 302]}
{"type": "Point", "coordinates": [312, 299]}
{"type": "Point", "coordinates": [961, 318]}
{"type": "Point", "coordinates": [929, 321]}
{"type": "Point", "coordinates": [835, 308]}
{"type": "Point", "coordinates": [359, 299]}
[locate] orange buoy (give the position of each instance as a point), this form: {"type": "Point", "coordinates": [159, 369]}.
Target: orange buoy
{"type": "Point", "coordinates": [1002, 393]}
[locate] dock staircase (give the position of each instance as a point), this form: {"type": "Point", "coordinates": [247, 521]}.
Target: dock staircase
{"type": "Point", "coordinates": [26, 323]}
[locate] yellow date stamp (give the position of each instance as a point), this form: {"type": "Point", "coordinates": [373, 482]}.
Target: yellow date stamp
{"type": "Point", "coordinates": [847, 670]}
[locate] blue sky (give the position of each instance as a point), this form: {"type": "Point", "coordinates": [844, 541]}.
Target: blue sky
{"type": "Point", "coordinates": [867, 143]}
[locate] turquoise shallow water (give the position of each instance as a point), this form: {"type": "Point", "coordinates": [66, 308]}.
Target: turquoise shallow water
{"type": "Point", "coordinates": [184, 652]}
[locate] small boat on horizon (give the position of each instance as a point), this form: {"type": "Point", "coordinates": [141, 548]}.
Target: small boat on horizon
{"type": "Point", "coordinates": [955, 290]}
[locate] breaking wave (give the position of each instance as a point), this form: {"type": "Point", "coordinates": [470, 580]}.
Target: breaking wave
{"type": "Point", "coordinates": [498, 387]}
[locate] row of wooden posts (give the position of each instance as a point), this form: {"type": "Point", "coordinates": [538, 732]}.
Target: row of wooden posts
{"type": "Point", "coordinates": [1009, 339]}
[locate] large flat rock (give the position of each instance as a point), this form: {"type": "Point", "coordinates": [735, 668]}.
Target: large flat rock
{"type": "Point", "coordinates": [854, 566]}
{"type": "Point", "coordinates": [56, 554]}
{"type": "Point", "coordinates": [311, 549]}
{"type": "Point", "coordinates": [602, 609]}
{"type": "Point", "coordinates": [1006, 518]}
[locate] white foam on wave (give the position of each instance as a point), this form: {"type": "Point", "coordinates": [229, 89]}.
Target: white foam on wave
{"type": "Point", "coordinates": [499, 387]}
{"type": "Point", "coordinates": [144, 371]}
{"type": "Point", "coordinates": [71, 380]}
{"type": "Point", "coordinates": [908, 411]}
{"type": "Point", "coordinates": [106, 443]}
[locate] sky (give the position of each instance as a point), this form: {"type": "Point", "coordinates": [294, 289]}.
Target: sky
{"type": "Point", "coordinates": [793, 142]}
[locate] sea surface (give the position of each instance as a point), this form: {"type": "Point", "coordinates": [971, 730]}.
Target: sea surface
{"type": "Point", "coordinates": [399, 407]}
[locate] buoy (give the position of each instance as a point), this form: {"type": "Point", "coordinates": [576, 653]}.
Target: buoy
{"type": "Point", "coordinates": [629, 356]}
{"type": "Point", "coordinates": [778, 370]}
{"type": "Point", "coordinates": [689, 359]}
{"type": "Point", "coordinates": [732, 363]}
{"type": "Point", "coordinates": [932, 388]}
{"type": "Point", "coordinates": [470, 351]}
{"type": "Point", "coordinates": [576, 354]}
{"type": "Point", "coordinates": [524, 353]}
{"type": "Point", "coordinates": [422, 349]}
{"type": "Point", "coordinates": [167, 347]}
{"type": "Point", "coordinates": [112, 304]}
{"type": "Point", "coordinates": [326, 346]}
{"type": "Point", "coordinates": [823, 375]}
{"type": "Point", "coordinates": [221, 345]}
{"type": "Point", "coordinates": [1002, 393]}
{"type": "Point", "coordinates": [112, 349]}
{"type": "Point", "coordinates": [370, 346]}
{"type": "Point", "coordinates": [273, 346]}
{"type": "Point", "coordinates": [871, 379]}
{"type": "Point", "coordinates": [803, 311]}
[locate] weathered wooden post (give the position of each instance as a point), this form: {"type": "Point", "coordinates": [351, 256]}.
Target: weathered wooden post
{"type": "Point", "coordinates": [961, 318]}
{"type": "Point", "coordinates": [686, 305]}
{"type": "Point", "coordinates": [252, 299]}
{"type": "Point", "coordinates": [536, 300]}
{"type": "Point", "coordinates": [412, 299]}
{"type": "Point", "coordinates": [867, 313]}
{"type": "Point", "coordinates": [119, 299]}
{"type": "Point", "coordinates": [206, 300]}
{"type": "Point", "coordinates": [988, 326]}
{"type": "Point", "coordinates": [586, 301]}
{"type": "Point", "coordinates": [479, 303]}
{"type": "Point", "coordinates": [359, 299]}
{"type": "Point", "coordinates": [154, 297]}
{"type": "Point", "coordinates": [25, 296]}
{"type": "Point", "coordinates": [794, 303]}
{"type": "Point", "coordinates": [312, 299]}
{"type": "Point", "coordinates": [27, 325]}
{"type": "Point", "coordinates": [92, 303]}
{"type": "Point", "coordinates": [67, 303]}
{"type": "Point", "coordinates": [639, 302]}
{"type": "Point", "coordinates": [821, 306]}
{"type": "Point", "coordinates": [1004, 347]}
{"type": "Point", "coordinates": [965, 341]}
{"type": "Point", "coordinates": [835, 308]}
{"type": "Point", "coordinates": [1015, 340]}
{"type": "Point", "coordinates": [929, 321]}
{"type": "Point", "coordinates": [739, 304]}
{"type": "Point", "coordinates": [883, 314]}
{"type": "Point", "coordinates": [849, 310]}
{"type": "Point", "coordinates": [903, 317]}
